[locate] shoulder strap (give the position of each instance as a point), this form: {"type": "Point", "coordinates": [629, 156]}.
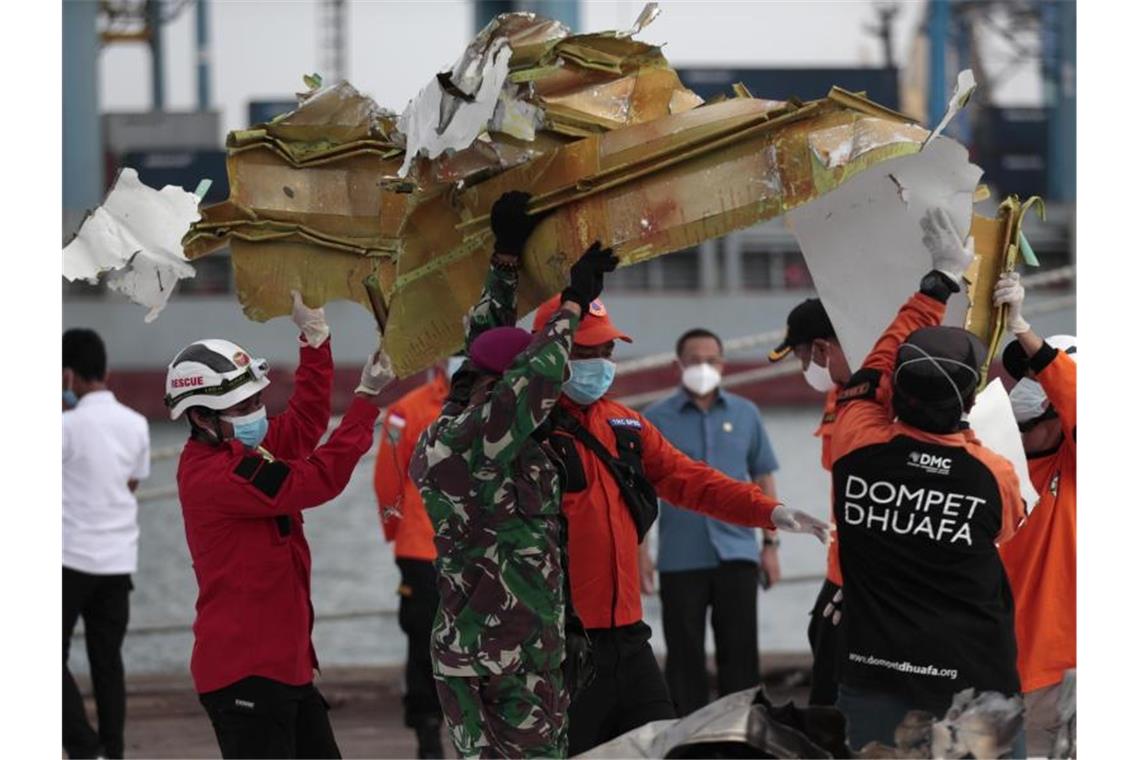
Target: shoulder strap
{"type": "Point", "coordinates": [571, 425]}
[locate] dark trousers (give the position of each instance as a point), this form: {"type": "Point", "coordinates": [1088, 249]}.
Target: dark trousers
{"type": "Point", "coordinates": [104, 603]}
{"type": "Point", "coordinates": [260, 717]}
{"type": "Point", "coordinates": [419, 599]}
{"type": "Point", "coordinates": [628, 689]}
{"type": "Point", "coordinates": [823, 636]}
{"type": "Point", "coordinates": [686, 596]}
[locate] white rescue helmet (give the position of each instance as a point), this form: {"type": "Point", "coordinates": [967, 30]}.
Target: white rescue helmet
{"type": "Point", "coordinates": [213, 373]}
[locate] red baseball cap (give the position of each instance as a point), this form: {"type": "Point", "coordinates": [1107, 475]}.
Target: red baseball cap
{"type": "Point", "coordinates": [594, 329]}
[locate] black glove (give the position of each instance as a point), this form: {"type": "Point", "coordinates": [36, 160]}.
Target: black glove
{"type": "Point", "coordinates": [587, 273]}
{"type": "Point", "coordinates": [511, 223]}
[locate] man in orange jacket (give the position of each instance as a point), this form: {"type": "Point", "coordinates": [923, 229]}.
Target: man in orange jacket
{"type": "Point", "coordinates": [595, 438]}
{"type": "Point", "coordinates": [811, 338]}
{"type": "Point", "coordinates": [407, 527]}
{"type": "Point", "coordinates": [1041, 560]}
{"type": "Point", "coordinates": [920, 504]}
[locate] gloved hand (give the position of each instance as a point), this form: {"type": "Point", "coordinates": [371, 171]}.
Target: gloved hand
{"type": "Point", "coordinates": [948, 253]}
{"type": "Point", "coordinates": [797, 521]}
{"type": "Point", "coordinates": [587, 274]}
{"type": "Point", "coordinates": [377, 373]}
{"type": "Point", "coordinates": [1011, 292]}
{"type": "Point", "coordinates": [511, 223]}
{"type": "Point", "coordinates": [311, 322]}
{"type": "Point", "coordinates": [834, 609]}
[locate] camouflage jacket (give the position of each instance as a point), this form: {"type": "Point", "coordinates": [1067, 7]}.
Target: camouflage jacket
{"type": "Point", "coordinates": [493, 494]}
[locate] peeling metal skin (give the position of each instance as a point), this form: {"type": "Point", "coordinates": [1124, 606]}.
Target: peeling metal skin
{"type": "Point", "coordinates": [597, 127]}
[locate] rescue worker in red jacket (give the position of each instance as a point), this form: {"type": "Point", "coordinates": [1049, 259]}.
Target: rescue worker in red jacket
{"type": "Point", "coordinates": [407, 527]}
{"type": "Point", "coordinates": [1041, 560]}
{"type": "Point", "coordinates": [243, 481]}
{"type": "Point", "coordinates": [811, 338]}
{"type": "Point", "coordinates": [607, 521]}
{"type": "Point", "coordinates": [920, 504]}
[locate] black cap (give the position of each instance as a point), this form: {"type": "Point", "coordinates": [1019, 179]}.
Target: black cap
{"type": "Point", "coordinates": [936, 372]}
{"type": "Point", "coordinates": [806, 322]}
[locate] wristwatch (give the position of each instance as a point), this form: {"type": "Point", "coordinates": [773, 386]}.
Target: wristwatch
{"type": "Point", "coordinates": [771, 541]}
{"type": "Point", "coordinates": [938, 285]}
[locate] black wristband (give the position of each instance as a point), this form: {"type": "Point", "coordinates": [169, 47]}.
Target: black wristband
{"type": "Point", "coordinates": [938, 286]}
{"type": "Point", "coordinates": [569, 294]}
{"type": "Point", "coordinates": [1044, 356]}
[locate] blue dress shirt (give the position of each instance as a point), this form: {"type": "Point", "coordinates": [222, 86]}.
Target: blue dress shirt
{"type": "Point", "coordinates": [730, 436]}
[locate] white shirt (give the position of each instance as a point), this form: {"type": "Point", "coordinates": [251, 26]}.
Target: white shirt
{"type": "Point", "coordinates": [105, 444]}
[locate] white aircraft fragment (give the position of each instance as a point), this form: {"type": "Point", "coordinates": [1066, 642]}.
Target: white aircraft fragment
{"type": "Point", "coordinates": [135, 239]}
{"type": "Point", "coordinates": [993, 422]}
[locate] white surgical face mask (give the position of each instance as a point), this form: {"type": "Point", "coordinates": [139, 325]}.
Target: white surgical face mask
{"type": "Point", "coordinates": [700, 378]}
{"type": "Point", "coordinates": [818, 377]}
{"type": "Point", "coordinates": [1028, 400]}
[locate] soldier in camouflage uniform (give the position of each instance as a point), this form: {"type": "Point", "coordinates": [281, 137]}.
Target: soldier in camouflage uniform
{"type": "Point", "coordinates": [492, 491]}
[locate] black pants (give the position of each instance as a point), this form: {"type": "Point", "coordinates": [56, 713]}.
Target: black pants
{"type": "Point", "coordinates": [823, 636]}
{"type": "Point", "coordinates": [260, 717]}
{"type": "Point", "coordinates": [628, 690]}
{"type": "Point", "coordinates": [104, 603]}
{"type": "Point", "coordinates": [419, 599]}
{"type": "Point", "coordinates": [730, 589]}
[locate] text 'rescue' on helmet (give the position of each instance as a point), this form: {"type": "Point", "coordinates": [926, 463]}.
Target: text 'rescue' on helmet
{"type": "Point", "coordinates": [937, 371]}
{"type": "Point", "coordinates": [213, 373]}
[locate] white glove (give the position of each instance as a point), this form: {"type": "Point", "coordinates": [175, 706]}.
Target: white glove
{"type": "Point", "coordinates": [1011, 292]}
{"type": "Point", "coordinates": [377, 373]}
{"type": "Point", "coordinates": [796, 521]}
{"type": "Point", "coordinates": [948, 253]}
{"type": "Point", "coordinates": [834, 609]}
{"type": "Point", "coordinates": [311, 322]}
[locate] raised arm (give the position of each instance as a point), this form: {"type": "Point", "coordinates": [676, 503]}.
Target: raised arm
{"type": "Point", "coordinates": [259, 487]}
{"type": "Point", "coordinates": [1055, 370]}
{"type": "Point", "coordinates": [864, 404]}
{"type": "Point", "coordinates": [497, 305]}
{"type": "Point", "coordinates": [296, 432]}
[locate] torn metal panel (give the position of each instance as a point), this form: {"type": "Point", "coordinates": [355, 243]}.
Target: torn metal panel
{"type": "Point", "coordinates": [596, 126]}
{"type": "Point", "coordinates": [135, 239]}
{"type": "Point", "coordinates": [455, 107]}
{"type": "Point", "coordinates": [963, 88]}
{"type": "Point", "coordinates": [648, 189]}
{"type": "Point", "coordinates": [864, 237]}
{"type": "Point", "coordinates": [993, 422]}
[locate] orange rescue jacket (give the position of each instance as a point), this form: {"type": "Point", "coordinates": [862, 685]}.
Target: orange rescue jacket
{"type": "Point", "coordinates": [402, 512]}
{"type": "Point", "coordinates": [603, 539]}
{"type": "Point", "coordinates": [1041, 560]}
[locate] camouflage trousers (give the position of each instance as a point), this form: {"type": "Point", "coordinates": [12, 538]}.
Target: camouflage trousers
{"type": "Point", "coordinates": [510, 715]}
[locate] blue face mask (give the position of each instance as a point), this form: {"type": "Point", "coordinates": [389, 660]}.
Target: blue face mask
{"type": "Point", "coordinates": [250, 428]}
{"type": "Point", "coordinates": [589, 380]}
{"type": "Point", "coordinates": [70, 399]}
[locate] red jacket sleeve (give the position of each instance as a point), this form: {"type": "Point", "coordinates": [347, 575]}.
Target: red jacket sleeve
{"type": "Point", "coordinates": [296, 431]}
{"type": "Point", "coordinates": [1059, 380]}
{"type": "Point", "coordinates": [253, 487]}
{"type": "Point", "coordinates": [695, 485]}
{"type": "Point", "coordinates": [391, 469]}
{"type": "Point", "coordinates": [864, 406]}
